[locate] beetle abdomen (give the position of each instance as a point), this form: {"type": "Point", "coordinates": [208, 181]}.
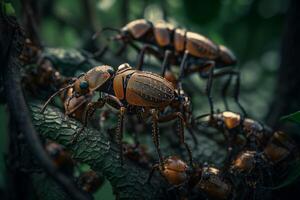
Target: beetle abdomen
{"type": "Point", "coordinates": [200, 46]}
{"type": "Point", "coordinates": [149, 90]}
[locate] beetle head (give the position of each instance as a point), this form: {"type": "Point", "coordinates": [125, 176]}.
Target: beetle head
{"type": "Point", "coordinates": [93, 79]}
{"type": "Point", "coordinates": [227, 58]}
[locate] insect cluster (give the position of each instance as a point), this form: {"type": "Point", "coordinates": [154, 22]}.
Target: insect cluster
{"type": "Point", "coordinates": [255, 153]}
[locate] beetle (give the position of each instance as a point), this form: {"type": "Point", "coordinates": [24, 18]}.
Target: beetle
{"type": "Point", "coordinates": [232, 125]}
{"type": "Point", "coordinates": [191, 51]}
{"type": "Point", "coordinates": [279, 148]}
{"type": "Point", "coordinates": [203, 178]}
{"type": "Point", "coordinates": [130, 91]}
{"type": "Point", "coordinates": [90, 181]}
{"type": "Point", "coordinates": [213, 183]}
{"type": "Point", "coordinates": [60, 157]}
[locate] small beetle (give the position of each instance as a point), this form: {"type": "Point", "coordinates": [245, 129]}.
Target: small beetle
{"type": "Point", "coordinates": [213, 184]}
{"type": "Point", "coordinates": [131, 91]}
{"type": "Point", "coordinates": [176, 46]}
{"type": "Point", "coordinates": [279, 147]}
{"type": "Point", "coordinates": [174, 171]}
{"type": "Point", "coordinates": [233, 124]}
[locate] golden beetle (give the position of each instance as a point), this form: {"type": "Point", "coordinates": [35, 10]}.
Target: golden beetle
{"type": "Point", "coordinates": [130, 91]}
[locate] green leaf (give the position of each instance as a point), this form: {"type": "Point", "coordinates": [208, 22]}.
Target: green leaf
{"type": "Point", "coordinates": [9, 9]}
{"type": "Point", "coordinates": [292, 176]}
{"type": "Point", "coordinates": [294, 117]}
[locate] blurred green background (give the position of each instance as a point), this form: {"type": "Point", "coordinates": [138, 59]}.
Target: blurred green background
{"type": "Point", "coordinates": [251, 28]}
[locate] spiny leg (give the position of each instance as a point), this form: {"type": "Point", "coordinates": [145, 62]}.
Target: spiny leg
{"type": "Point", "coordinates": [165, 64]}
{"type": "Point", "coordinates": [119, 132]}
{"type": "Point", "coordinates": [155, 136]}
{"type": "Point", "coordinates": [182, 140]}
{"type": "Point", "coordinates": [90, 109]}
{"type": "Point", "coordinates": [179, 116]}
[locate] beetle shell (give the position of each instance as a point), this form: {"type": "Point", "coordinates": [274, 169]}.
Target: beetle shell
{"type": "Point", "coordinates": [227, 57]}
{"type": "Point", "coordinates": [148, 89]}
{"type": "Point", "coordinates": [138, 28]}
{"type": "Point", "coordinates": [162, 33]}
{"type": "Point", "coordinates": [175, 170]}
{"type": "Point", "coordinates": [199, 46]}
{"type": "Point", "coordinates": [245, 161]}
{"type": "Point", "coordinates": [214, 185]}
{"type": "Point", "coordinates": [179, 40]}
{"type": "Point", "coordinates": [231, 119]}
{"type": "Point", "coordinates": [279, 147]}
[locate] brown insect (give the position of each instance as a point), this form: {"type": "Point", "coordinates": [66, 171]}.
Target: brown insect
{"type": "Point", "coordinates": [130, 91]}
{"type": "Point", "coordinates": [214, 184]}
{"type": "Point", "coordinates": [175, 171]}
{"type": "Point", "coordinates": [90, 181]}
{"type": "Point", "coordinates": [233, 124]}
{"type": "Point", "coordinates": [60, 157]}
{"type": "Point", "coordinates": [205, 179]}
{"type": "Point", "coordinates": [191, 51]}
{"type": "Point", "coordinates": [279, 148]}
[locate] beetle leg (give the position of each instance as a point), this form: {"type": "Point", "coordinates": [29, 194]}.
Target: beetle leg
{"type": "Point", "coordinates": [119, 132]}
{"type": "Point", "coordinates": [55, 94]}
{"type": "Point", "coordinates": [165, 64]}
{"type": "Point", "coordinates": [179, 116]}
{"type": "Point", "coordinates": [150, 50]}
{"type": "Point", "coordinates": [209, 87]}
{"type": "Point", "coordinates": [237, 94]}
{"type": "Point", "coordinates": [155, 136]}
{"type": "Point", "coordinates": [153, 169]}
{"type": "Point", "coordinates": [182, 69]}
{"type": "Point", "coordinates": [230, 71]}
{"type": "Point", "coordinates": [89, 110]}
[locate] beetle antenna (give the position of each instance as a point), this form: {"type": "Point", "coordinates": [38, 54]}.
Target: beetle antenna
{"type": "Point", "coordinates": [105, 29]}
{"type": "Point", "coordinates": [53, 95]}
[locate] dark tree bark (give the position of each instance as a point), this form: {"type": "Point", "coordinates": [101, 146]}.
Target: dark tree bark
{"type": "Point", "coordinates": [287, 94]}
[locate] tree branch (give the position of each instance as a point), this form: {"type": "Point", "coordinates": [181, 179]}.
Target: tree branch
{"type": "Point", "coordinates": [95, 149]}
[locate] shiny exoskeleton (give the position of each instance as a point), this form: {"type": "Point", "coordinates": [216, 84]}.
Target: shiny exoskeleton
{"type": "Point", "coordinates": [90, 181]}
{"type": "Point", "coordinates": [279, 148]}
{"type": "Point", "coordinates": [191, 51]}
{"type": "Point", "coordinates": [130, 91]}
{"type": "Point", "coordinates": [60, 157]}
{"type": "Point", "coordinates": [233, 124]}
{"type": "Point", "coordinates": [205, 179]}
{"type": "Point", "coordinates": [214, 184]}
